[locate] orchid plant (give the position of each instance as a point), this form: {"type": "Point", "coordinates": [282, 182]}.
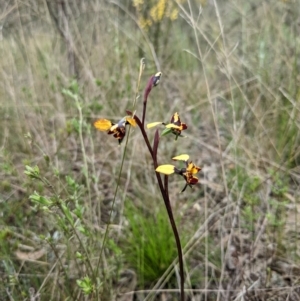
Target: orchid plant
{"type": "Point", "coordinates": [175, 126]}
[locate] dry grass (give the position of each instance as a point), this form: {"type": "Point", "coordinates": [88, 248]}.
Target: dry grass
{"type": "Point", "coordinates": [230, 69]}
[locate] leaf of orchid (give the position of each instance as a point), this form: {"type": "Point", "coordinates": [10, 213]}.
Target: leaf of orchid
{"type": "Point", "coordinates": [131, 121]}
{"type": "Point", "coordinates": [153, 124]}
{"type": "Point", "coordinates": [183, 157]}
{"type": "Point", "coordinates": [102, 124]}
{"type": "Point", "coordinates": [172, 126]}
{"type": "Point", "coordinates": [166, 169]}
{"type": "Point", "coordinates": [166, 132]}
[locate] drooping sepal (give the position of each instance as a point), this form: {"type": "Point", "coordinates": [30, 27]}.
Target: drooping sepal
{"type": "Point", "coordinates": [102, 124]}
{"type": "Point", "coordinates": [166, 169]}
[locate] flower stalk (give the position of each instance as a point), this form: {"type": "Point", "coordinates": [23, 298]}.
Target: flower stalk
{"type": "Point", "coordinates": [152, 82]}
{"type": "Point", "coordinates": [163, 186]}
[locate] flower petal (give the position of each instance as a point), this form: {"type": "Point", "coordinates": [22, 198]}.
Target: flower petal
{"type": "Point", "coordinates": [193, 180]}
{"type": "Point", "coordinates": [122, 122]}
{"type": "Point", "coordinates": [173, 126]}
{"type": "Point", "coordinates": [183, 157]}
{"type": "Point", "coordinates": [166, 169]}
{"type": "Point", "coordinates": [175, 118]}
{"type": "Point", "coordinates": [131, 121]}
{"type": "Point", "coordinates": [184, 126]}
{"type": "Point", "coordinates": [115, 128]}
{"type": "Point", "coordinates": [192, 168]}
{"type": "Point", "coordinates": [153, 124]}
{"type": "Point", "coordinates": [102, 124]}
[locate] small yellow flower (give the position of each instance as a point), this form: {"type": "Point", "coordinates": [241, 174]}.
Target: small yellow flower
{"type": "Point", "coordinates": [157, 11]}
{"type": "Point", "coordinates": [161, 6]}
{"type": "Point", "coordinates": [145, 23]}
{"type": "Point", "coordinates": [137, 3]}
{"type": "Point", "coordinates": [174, 14]}
{"type": "Point", "coordinates": [154, 11]}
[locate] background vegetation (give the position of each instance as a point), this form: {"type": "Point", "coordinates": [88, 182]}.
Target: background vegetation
{"type": "Point", "coordinates": [230, 68]}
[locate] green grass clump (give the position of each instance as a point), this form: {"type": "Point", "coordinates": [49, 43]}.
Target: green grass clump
{"type": "Point", "coordinates": [148, 245]}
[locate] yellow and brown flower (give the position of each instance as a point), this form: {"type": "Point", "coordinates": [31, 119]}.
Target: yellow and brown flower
{"type": "Point", "coordinates": [118, 130]}
{"type": "Point", "coordinates": [187, 172]}
{"type": "Point", "coordinates": [175, 126]}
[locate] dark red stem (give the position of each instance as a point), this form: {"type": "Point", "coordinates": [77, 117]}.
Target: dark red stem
{"type": "Point", "coordinates": [165, 194]}
{"type": "Point", "coordinates": [146, 94]}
